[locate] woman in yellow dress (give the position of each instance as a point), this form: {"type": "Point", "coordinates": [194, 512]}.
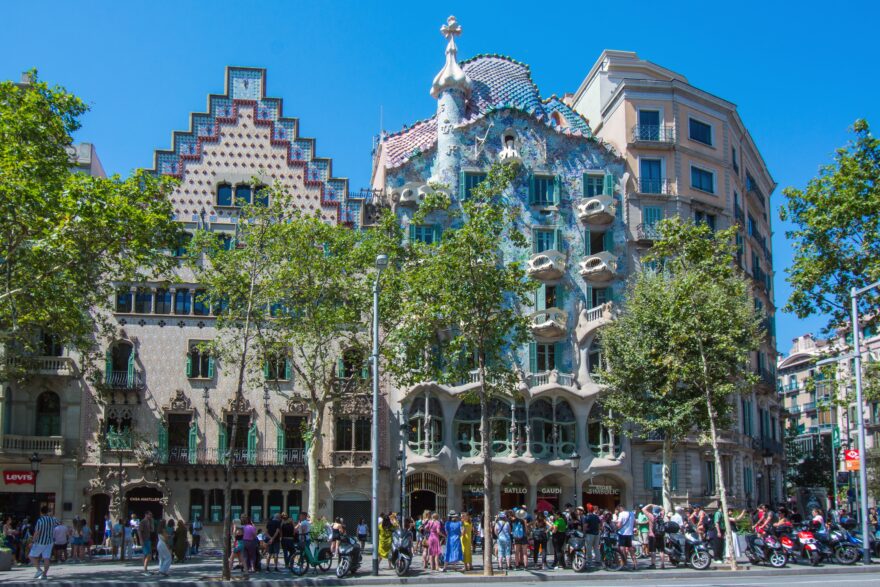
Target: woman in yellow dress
{"type": "Point", "coordinates": [467, 533]}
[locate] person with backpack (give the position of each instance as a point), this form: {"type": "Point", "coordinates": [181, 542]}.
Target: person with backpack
{"type": "Point", "coordinates": [541, 529]}
{"type": "Point", "coordinates": [625, 527]}
{"type": "Point", "coordinates": [652, 521]}
{"type": "Point", "coordinates": [559, 529]}
{"type": "Point", "coordinates": [501, 530]}
{"type": "Point", "coordinates": [591, 524]}
{"type": "Point", "coordinates": [519, 529]}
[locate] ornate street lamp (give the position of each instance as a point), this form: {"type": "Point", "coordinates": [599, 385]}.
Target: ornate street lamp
{"type": "Point", "coordinates": [381, 264]}
{"type": "Point", "coordinates": [575, 459]}
{"type": "Point", "coordinates": [35, 469]}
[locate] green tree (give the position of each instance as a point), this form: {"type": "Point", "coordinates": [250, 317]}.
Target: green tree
{"type": "Point", "coordinates": [461, 298]}
{"type": "Point", "coordinates": [66, 237]}
{"type": "Point", "coordinates": [640, 390]}
{"type": "Point", "coordinates": [294, 291]}
{"type": "Point", "coordinates": [704, 338]}
{"type": "Point", "coordinates": [836, 238]}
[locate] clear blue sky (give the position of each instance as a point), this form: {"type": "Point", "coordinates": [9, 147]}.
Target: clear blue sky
{"type": "Point", "coordinates": [800, 73]}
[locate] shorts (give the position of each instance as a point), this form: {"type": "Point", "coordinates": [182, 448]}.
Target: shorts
{"type": "Point", "coordinates": [239, 546]}
{"type": "Point", "coordinates": [652, 543]}
{"type": "Point", "coordinates": [147, 548]}
{"type": "Point", "coordinates": [274, 547]}
{"type": "Point", "coordinates": [521, 541]}
{"type": "Point", "coordinates": [60, 548]}
{"type": "Point", "coordinates": [107, 533]}
{"type": "Point", "coordinates": [625, 541]}
{"type": "Point", "coordinates": [41, 551]}
{"type": "Point", "coordinates": [77, 541]}
{"type": "Point", "coordinates": [503, 548]}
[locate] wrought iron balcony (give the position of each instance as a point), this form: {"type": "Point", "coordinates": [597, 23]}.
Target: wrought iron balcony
{"type": "Point", "coordinates": [549, 324]}
{"type": "Point", "coordinates": [771, 445]}
{"type": "Point", "coordinates": [652, 133]}
{"type": "Point", "coordinates": [49, 366]}
{"type": "Point", "coordinates": [546, 265]}
{"type": "Point", "coordinates": [45, 445]}
{"type": "Point", "coordinates": [597, 210]}
{"type": "Point", "coordinates": [600, 267]}
{"type": "Point", "coordinates": [181, 455]}
{"type": "Point", "coordinates": [655, 186]}
{"type": "Point", "coordinates": [130, 379]}
{"type": "Point", "coordinates": [647, 232]}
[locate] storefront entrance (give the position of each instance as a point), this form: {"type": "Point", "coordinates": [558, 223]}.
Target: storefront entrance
{"type": "Point", "coordinates": [472, 494]}
{"type": "Point", "coordinates": [100, 508]}
{"type": "Point", "coordinates": [514, 491]}
{"type": "Point", "coordinates": [141, 500]}
{"type": "Point", "coordinates": [20, 505]}
{"type": "Point", "coordinates": [425, 492]}
{"type": "Point", "coordinates": [602, 492]}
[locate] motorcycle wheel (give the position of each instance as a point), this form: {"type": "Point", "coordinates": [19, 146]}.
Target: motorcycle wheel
{"type": "Point", "coordinates": [777, 559]}
{"type": "Point", "coordinates": [402, 566]}
{"type": "Point", "coordinates": [701, 560]}
{"type": "Point", "coordinates": [846, 555]}
{"type": "Point", "coordinates": [815, 557]}
{"type": "Point", "coordinates": [342, 568]}
{"type": "Point", "coordinates": [579, 562]}
{"type": "Point", "coordinates": [613, 560]}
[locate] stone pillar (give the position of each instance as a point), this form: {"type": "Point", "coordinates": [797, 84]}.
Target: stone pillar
{"type": "Point", "coordinates": [453, 497]}
{"type": "Point", "coordinates": [533, 495]}
{"type": "Point", "coordinates": [153, 300]}
{"type": "Point", "coordinates": [266, 505]}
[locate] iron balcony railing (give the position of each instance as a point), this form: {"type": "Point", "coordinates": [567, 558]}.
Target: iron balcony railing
{"type": "Point", "coordinates": [653, 133]}
{"type": "Point", "coordinates": [647, 232]}
{"type": "Point", "coordinates": [181, 455]}
{"type": "Point", "coordinates": [771, 445]}
{"type": "Point", "coordinates": [129, 379]}
{"type": "Point", "coordinates": [655, 186]}
{"type": "Point", "coordinates": [739, 214]}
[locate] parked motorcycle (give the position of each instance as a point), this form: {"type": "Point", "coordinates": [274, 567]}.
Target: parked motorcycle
{"type": "Point", "coordinates": [686, 547]}
{"type": "Point", "coordinates": [844, 547]}
{"type": "Point", "coordinates": [802, 544]}
{"type": "Point", "coordinates": [401, 551]}
{"type": "Point", "coordinates": [575, 551]}
{"type": "Point", "coordinates": [349, 551]}
{"type": "Point", "coordinates": [765, 549]}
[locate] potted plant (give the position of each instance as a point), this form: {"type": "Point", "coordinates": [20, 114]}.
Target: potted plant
{"type": "Point", "coordinates": [5, 555]}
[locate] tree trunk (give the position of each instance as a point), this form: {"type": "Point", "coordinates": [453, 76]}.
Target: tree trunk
{"type": "Point", "coordinates": [486, 449]}
{"type": "Point", "coordinates": [314, 451]}
{"type": "Point", "coordinates": [722, 489]}
{"type": "Point", "coordinates": [227, 500]}
{"type": "Point", "coordinates": [667, 475]}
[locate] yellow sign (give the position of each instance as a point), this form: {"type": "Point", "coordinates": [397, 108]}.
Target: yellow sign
{"type": "Point", "coordinates": [852, 465]}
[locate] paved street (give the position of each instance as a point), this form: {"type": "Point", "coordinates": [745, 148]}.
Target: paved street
{"type": "Point", "coordinates": [206, 571]}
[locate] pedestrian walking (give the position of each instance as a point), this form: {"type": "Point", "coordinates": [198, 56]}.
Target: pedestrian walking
{"type": "Point", "coordinates": [195, 529]}
{"type": "Point", "coordinates": [41, 547]}
{"type": "Point", "coordinates": [386, 529]}
{"type": "Point", "coordinates": [116, 535]}
{"type": "Point", "coordinates": [249, 536]}
{"type": "Point", "coordinates": [144, 534]}
{"type": "Point", "coordinates": [164, 537]}
{"type": "Point", "coordinates": [133, 524]}
{"type": "Point", "coordinates": [453, 540]}
{"type": "Point", "coordinates": [238, 546]}
{"type": "Point", "coordinates": [467, 543]}
{"type": "Point", "coordinates": [180, 545]}
{"type": "Point", "coordinates": [503, 540]}
{"type": "Point", "coordinates": [434, 531]}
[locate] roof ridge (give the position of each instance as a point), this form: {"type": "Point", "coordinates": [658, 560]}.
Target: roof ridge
{"type": "Point", "coordinates": [499, 56]}
{"type": "Point", "coordinates": [410, 127]}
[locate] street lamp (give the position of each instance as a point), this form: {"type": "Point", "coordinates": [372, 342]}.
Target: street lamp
{"type": "Point", "coordinates": [863, 461]}
{"type": "Point", "coordinates": [575, 459]}
{"type": "Point", "coordinates": [401, 461]}
{"type": "Point", "coordinates": [381, 263]}
{"type": "Point", "coordinates": [35, 469]}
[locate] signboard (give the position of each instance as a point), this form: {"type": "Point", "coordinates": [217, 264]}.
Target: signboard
{"type": "Point", "coordinates": [236, 512]}
{"type": "Point", "coordinates": [293, 512]}
{"type": "Point", "coordinates": [196, 512]}
{"type": "Point", "coordinates": [256, 514]}
{"type": "Point", "coordinates": [851, 459]}
{"type": "Point", "coordinates": [601, 490]}
{"type": "Point", "coordinates": [514, 489]}
{"type": "Point", "coordinates": [216, 513]}
{"type": "Point", "coordinates": [550, 490]}
{"type": "Point", "coordinates": [656, 475]}
{"type": "Point", "coordinates": [835, 437]}
{"type": "Point", "coordinates": [18, 477]}
{"type": "Point", "coordinates": [274, 509]}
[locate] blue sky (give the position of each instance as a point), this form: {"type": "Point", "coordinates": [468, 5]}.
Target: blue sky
{"type": "Point", "coordinates": [800, 74]}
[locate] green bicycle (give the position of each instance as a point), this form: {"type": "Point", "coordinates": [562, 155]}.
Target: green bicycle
{"type": "Point", "coordinates": [307, 555]}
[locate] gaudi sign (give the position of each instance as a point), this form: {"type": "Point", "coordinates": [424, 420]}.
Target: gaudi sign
{"type": "Point", "coordinates": [550, 490]}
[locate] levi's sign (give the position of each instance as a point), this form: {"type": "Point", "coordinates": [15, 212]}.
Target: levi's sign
{"type": "Point", "coordinates": [18, 477]}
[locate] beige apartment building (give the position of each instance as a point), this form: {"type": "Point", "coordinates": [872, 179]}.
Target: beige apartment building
{"type": "Point", "coordinates": [688, 153]}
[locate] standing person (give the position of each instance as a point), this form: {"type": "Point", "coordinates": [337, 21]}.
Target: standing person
{"type": "Point", "coordinates": [128, 540]}
{"type": "Point", "coordinates": [116, 534]}
{"type": "Point", "coordinates": [108, 530]}
{"type": "Point", "coordinates": [699, 519]}
{"type": "Point", "coordinates": [195, 528]}
{"type": "Point", "coordinates": [144, 533]}
{"type": "Point", "coordinates": [678, 517]}
{"type": "Point", "coordinates": [642, 527]}
{"type": "Point", "coordinates": [591, 524]}
{"type": "Point", "coordinates": [335, 534]}
{"type": "Point", "coordinates": [560, 527]}
{"type": "Point", "coordinates": [453, 540]}
{"type": "Point", "coordinates": [133, 524]}
{"type": "Point", "coordinates": [541, 529]}
{"type": "Point", "coordinates": [625, 528]}
{"type": "Point", "coordinates": [273, 541]}
{"type": "Point", "coordinates": [422, 527]}
{"type": "Point", "coordinates": [287, 531]}
{"type": "Point", "coordinates": [467, 533]}
{"type": "Point", "coordinates": [41, 547]}
{"type": "Point", "coordinates": [76, 541]}
{"type": "Point", "coordinates": [238, 547]}
{"type": "Point", "coordinates": [249, 536]}
{"type": "Point", "coordinates": [434, 531]}
{"type": "Point", "coordinates": [520, 531]}
{"type": "Point", "coordinates": [386, 529]}
{"type": "Point", "coordinates": [362, 532]}
{"type": "Point", "coordinates": [503, 540]}
{"type": "Point", "coordinates": [180, 545]}
{"type": "Point", "coordinates": [164, 536]}
{"type": "Point", "coordinates": [649, 541]}
{"type": "Point", "coordinates": [60, 536]}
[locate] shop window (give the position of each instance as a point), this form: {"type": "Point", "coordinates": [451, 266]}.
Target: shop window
{"type": "Point", "coordinates": [425, 426]}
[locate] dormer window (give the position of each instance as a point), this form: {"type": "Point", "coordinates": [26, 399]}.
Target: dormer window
{"type": "Point", "coordinates": [224, 194]}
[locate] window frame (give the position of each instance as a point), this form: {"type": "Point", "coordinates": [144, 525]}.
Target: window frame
{"type": "Point", "coordinates": [697, 168]}
{"type": "Point", "coordinates": [597, 178]}
{"type": "Point", "coordinates": [691, 121]}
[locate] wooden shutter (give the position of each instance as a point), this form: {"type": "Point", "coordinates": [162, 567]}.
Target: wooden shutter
{"type": "Point", "coordinates": [252, 444]}
{"type": "Point", "coordinates": [646, 471]}
{"type": "Point", "coordinates": [541, 297]}
{"type": "Point", "coordinates": [279, 442]}
{"type": "Point", "coordinates": [560, 296]}
{"type": "Point", "coordinates": [163, 442]}
{"type": "Point", "coordinates": [533, 357]}
{"type": "Point", "coordinates": [589, 296]}
{"type": "Point", "coordinates": [288, 369]}
{"type": "Point", "coordinates": [108, 367]}
{"type": "Point", "coordinates": [131, 367]}
{"type": "Point", "coordinates": [558, 349]}
{"type": "Point", "coordinates": [608, 240]}
{"type": "Point", "coordinates": [587, 246]}
{"type": "Point", "coordinates": [193, 443]}
{"type": "Point", "coordinates": [652, 215]}
{"type": "Point", "coordinates": [189, 365]}
{"type": "Point", "coordinates": [673, 476]}
{"type": "Point", "coordinates": [608, 185]}
{"type": "Point", "coordinates": [532, 195]}
{"type": "Point", "coordinates": [340, 368]}
{"type": "Point", "coordinates": [266, 368]}
{"type": "Point", "coordinates": [221, 443]}
{"type": "Point", "coordinates": [210, 367]}
{"type": "Point", "coordinates": [437, 231]}
{"type": "Point", "coordinates": [412, 232]}
{"type": "Point", "coordinates": [558, 242]}
{"type": "Point", "coordinates": [462, 186]}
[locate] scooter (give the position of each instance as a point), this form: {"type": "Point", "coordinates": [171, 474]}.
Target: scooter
{"type": "Point", "coordinates": [401, 551]}
{"type": "Point", "coordinates": [575, 552]}
{"type": "Point", "coordinates": [306, 555]}
{"type": "Point", "coordinates": [845, 548]}
{"type": "Point", "coordinates": [611, 557]}
{"type": "Point", "coordinates": [686, 547]}
{"type": "Point", "coordinates": [349, 551]}
{"type": "Point", "coordinates": [804, 545]}
{"type": "Point", "coordinates": [765, 549]}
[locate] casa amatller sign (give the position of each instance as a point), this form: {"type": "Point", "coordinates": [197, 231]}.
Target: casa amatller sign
{"type": "Point", "coordinates": [18, 477]}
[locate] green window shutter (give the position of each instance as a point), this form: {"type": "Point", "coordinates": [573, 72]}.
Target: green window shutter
{"type": "Point", "coordinates": [608, 185]}
{"type": "Point", "coordinates": [288, 369]}
{"type": "Point", "coordinates": [412, 232]}
{"type": "Point", "coordinates": [589, 295]}
{"type": "Point", "coordinates": [652, 215]}
{"type": "Point", "coordinates": [210, 367]}
{"type": "Point", "coordinates": [557, 190]}
{"type": "Point", "coordinates": [365, 371]}
{"type": "Point", "coordinates": [221, 443]}
{"type": "Point", "coordinates": [265, 368]}
{"type": "Point", "coordinates": [131, 367]}
{"type": "Point", "coordinates": [673, 474]}
{"type": "Point", "coordinates": [541, 297]}
{"type": "Point", "coordinates": [193, 443]}
{"type": "Point", "coordinates": [534, 241]}
{"type": "Point", "coordinates": [646, 471]}
{"type": "Point", "coordinates": [558, 242]}
{"type": "Point", "coordinates": [588, 250]}
{"type": "Point", "coordinates": [560, 296]}
{"type": "Point", "coordinates": [279, 443]}
{"type": "Point", "coordinates": [340, 368]}
{"type": "Point", "coordinates": [532, 195]}
{"type": "Point", "coordinates": [558, 350]}
{"type": "Point", "coordinates": [189, 365]}
{"type": "Point", "coordinates": [252, 444]}
{"type": "Point", "coordinates": [608, 240]}
{"type": "Point", "coordinates": [163, 442]}
{"type": "Point", "coordinates": [462, 186]}
{"type": "Point", "coordinates": [438, 232]}
{"type": "Point", "coordinates": [533, 357]}
{"type": "Point", "coordinates": [108, 367]}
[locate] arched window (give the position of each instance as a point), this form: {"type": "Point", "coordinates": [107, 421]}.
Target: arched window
{"type": "Point", "coordinates": [541, 423]}
{"type": "Point", "coordinates": [603, 443]}
{"type": "Point", "coordinates": [566, 443]}
{"type": "Point", "coordinates": [467, 428]}
{"type": "Point", "coordinates": [48, 414]}
{"type": "Point", "coordinates": [199, 363]}
{"type": "Point", "coordinates": [499, 424]}
{"type": "Point", "coordinates": [352, 364]}
{"type": "Point", "coordinates": [242, 194]}
{"type": "Point", "coordinates": [553, 429]}
{"type": "Point", "coordinates": [181, 301]}
{"type": "Point", "coordinates": [425, 431]}
{"type": "Point", "coordinates": [224, 194]}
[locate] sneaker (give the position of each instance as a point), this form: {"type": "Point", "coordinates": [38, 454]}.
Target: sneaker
{"type": "Point", "coordinates": [38, 575]}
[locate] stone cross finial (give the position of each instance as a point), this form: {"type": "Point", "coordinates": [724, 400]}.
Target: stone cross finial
{"type": "Point", "coordinates": [451, 29]}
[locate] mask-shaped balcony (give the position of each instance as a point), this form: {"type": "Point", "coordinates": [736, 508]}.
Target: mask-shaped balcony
{"type": "Point", "coordinates": [548, 325]}
{"type": "Point", "coordinates": [597, 210]}
{"type": "Point", "coordinates": [599, 268]}
{"type": "Point", "coordinates": [591, 320]}
{"type": "Point", "coordinates": [546, 266]}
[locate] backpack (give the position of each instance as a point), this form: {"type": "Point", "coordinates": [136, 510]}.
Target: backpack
{"type": "Point", "coordinates": [539, 534]}
{"type": "Point", "coordinates": [519, 530]}
{"type": "Point", "coordinates": [659, 525]}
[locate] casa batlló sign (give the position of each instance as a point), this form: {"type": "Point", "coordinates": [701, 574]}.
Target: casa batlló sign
{"type": "Point", "coordinates": [18, 477]}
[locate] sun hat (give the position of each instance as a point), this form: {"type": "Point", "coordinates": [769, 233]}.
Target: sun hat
{"type": "Point", "coordinates": [521, 514]}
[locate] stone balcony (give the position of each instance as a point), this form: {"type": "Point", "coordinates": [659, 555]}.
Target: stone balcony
{"type": "Point", "coordinates": [597, 210]}
{"type": "Point", "coordinates": [351, 459]}
{"type": "Point", "coordinates": [591, 320]}
{"type": "Point", "coordinates": [44, 445]}
{"type": "Point", "coordinates": [546, 265]}
{"type": "Point", "coordinates": [549, 325]}
{"type": "Point", "coordinates": [599, 268]}
{"type": "Point", "coordinates": [47, 366]}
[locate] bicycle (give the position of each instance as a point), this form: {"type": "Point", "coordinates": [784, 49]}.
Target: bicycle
{"type": "Point", "coordinates": [305, 556]}
{"type": "Point", "coordinates": [611, 557]}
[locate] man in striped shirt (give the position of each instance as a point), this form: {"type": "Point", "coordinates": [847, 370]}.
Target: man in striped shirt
{"type": "Point", "coordinates": [42, 543]}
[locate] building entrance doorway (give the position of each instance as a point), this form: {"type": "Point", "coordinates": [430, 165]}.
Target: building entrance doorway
{"type": "Point", "coordinates": [144, 499]}
{"type": "Point", "coordinates": [602, 492]}
{"type": "Point", "coordinates": [426, 491]}
{"type": "Point", "coordinates": [100, 508]}
{"type": "Point", "coordinates": [420, 501]}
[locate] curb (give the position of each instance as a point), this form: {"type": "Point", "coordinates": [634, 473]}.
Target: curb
{"type": "Point", "coordinates": [520, 577]}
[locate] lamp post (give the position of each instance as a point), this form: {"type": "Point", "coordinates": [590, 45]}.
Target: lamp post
{"type": "Point", "coordinates": [860, 416]}
{"type": "Point", "coordinates": [768, 462]}
{"type": "Point", "coordinates": [35, 469]}
{"type": "Point", "coordinates": [401, 462]}
{"type": "Point", "coordinates": [381, 263]}
{"type": "Point", "coordinates": [575, 464]}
